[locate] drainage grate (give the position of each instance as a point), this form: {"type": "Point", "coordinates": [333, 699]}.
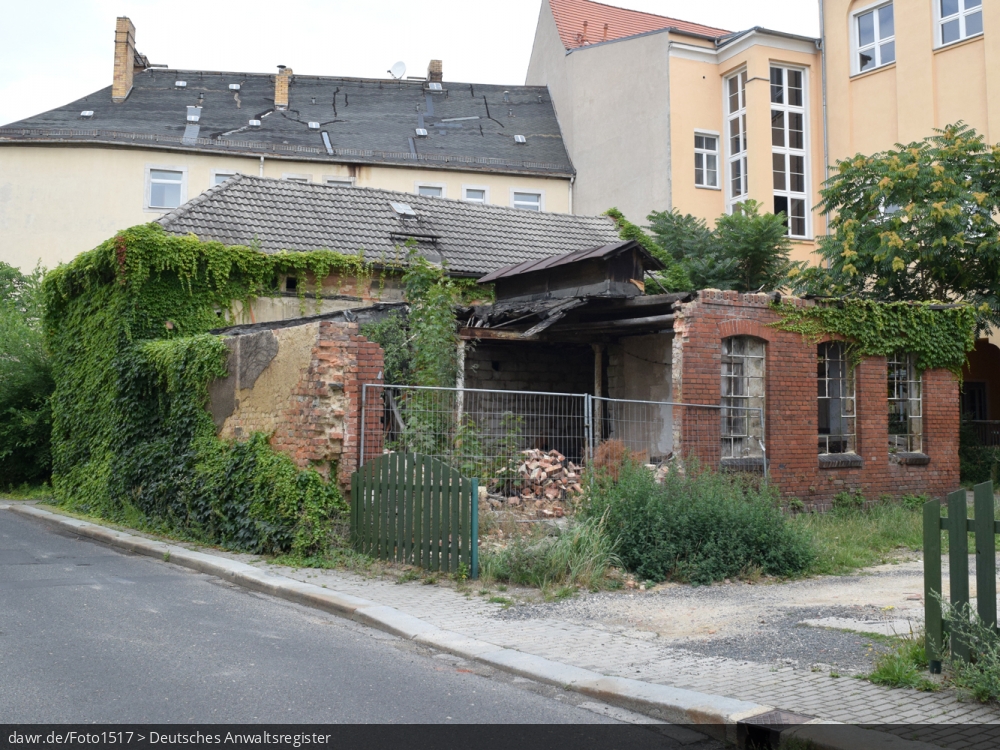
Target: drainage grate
{"type": "Point", "coordinates": [763, 731]}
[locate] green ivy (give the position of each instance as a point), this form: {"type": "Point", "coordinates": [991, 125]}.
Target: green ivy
{"type": "Point", "coordinates": [126, 326]}
{"type": "Point", "coordinates": [939, 338]}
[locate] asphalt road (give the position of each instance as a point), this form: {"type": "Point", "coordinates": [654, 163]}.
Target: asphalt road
{"type": "Point", "coordinates": [92, 634]}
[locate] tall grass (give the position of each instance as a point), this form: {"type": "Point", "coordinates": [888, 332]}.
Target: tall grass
{"type": "Point", "coordinates": [582, 555]}
{"type": "Point", "coordinates": [845, 541]}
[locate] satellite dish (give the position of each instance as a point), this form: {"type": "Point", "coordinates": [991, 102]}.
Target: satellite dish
{"type": "Point", "coordinates": [398, 70]}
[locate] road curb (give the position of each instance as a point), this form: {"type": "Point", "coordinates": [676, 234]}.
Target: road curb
{"type": "Point", "coordinates": [715, 715]}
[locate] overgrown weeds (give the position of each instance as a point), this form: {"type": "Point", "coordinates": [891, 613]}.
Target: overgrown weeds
{"type": "Point", "coordinates": [980, 675]}
{"type": "Point", "coordinates": [905, 666]}
{"type": "Point", "coordinates": [850, 538]}
{"type": "Point", "coordinates": [581, 555]}
{"type": "Point", "coordinates": [698, 526]}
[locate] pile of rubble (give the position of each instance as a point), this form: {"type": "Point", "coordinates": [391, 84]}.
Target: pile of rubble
{"type": "Point", "coordinates": [548, 480]}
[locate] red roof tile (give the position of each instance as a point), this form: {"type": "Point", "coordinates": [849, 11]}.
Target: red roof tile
{"type": "Point", "coordinates": [583, 22]}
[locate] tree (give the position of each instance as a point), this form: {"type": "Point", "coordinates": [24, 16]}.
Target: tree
{"type": "Point", "coordinates": [916, 223]}
{"type": "Point", "coordinates": [747, 251]}
{"type": "Point", "coordinates": [25, 380]}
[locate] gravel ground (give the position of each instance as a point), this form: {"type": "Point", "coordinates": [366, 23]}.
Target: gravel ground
{"type": "Point", "coordinates": [758, 622]}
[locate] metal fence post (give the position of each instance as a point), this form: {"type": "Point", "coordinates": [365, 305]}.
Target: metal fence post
{"type": "Point", "coordinates": [474, 531]}
{"type": "Point", "coordinates": [364, 396]}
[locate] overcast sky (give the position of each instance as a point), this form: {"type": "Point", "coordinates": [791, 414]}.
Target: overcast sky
{"type": "Point", "coordinates": [55, 51]}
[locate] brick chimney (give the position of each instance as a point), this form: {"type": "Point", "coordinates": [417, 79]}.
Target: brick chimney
{"type": "Point", "coordinates": [435, 71]}
{"type": "Point", "coordinates": [281, 82]}
{"type": "Point", "coordinates": [124, 59]}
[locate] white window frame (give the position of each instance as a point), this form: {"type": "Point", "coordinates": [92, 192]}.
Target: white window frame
{"type": "Point", "coordinates": [291, 177]}
{"type": "Point", "coordinates": [440, 185]}
{"type": "Point", "coordinates": [330, 179]}
{"type": "Point", "coordinates": [939, 23]}
{"type": "Point", "coordinates": [719, 171]}
{"type": "Point", "coordinates": [148, 185]}
{"type": "Point", "coordinates": [733, 157]}
{"type": "Point", "coordinates": [787, 151]}
{"type": "Point", "coordinates": [484, 188]}
{"type": "Point", "coordinates": [539, 193]}
{"type": "Point", "coordinates": [877, 46]}
{"type": "Point", "coordinates": [219, 172]}
{"type": "Point", "coordinates": [906, 403]}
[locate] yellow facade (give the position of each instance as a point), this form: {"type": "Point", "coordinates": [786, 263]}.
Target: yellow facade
{"type": "Point", "coordinates": [57, 201]}
{"type": "Point", "coordinates": [929, 84]}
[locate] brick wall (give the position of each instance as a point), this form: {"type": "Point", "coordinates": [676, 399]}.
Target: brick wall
{"type": "Point", "coordinates": [307, 396]}
{"type": "Point", "coordinates": [791, 406]}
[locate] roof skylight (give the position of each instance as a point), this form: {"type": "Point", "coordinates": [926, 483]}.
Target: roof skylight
{"type": "Point", "coordinates": [435, 86]}
{"type": "Point", "coordinates": [255, 123]}
{"type": "Point", "coordinates": [421, 132]}
{"type": "Point", "coordinates": [520, 139]}
{"type": "Point", "coordinates": [87, 113]}
{"type": "Point", "coordinates": [403, 209]}
{"type": "Point", "coordinates": [181, 84]}
{"type": "Point", "coordinates": [193, 114]}
{"type": "Point", "coordinates": [314, 126]}
{"type": "Point", "coordinates": [234, 87]}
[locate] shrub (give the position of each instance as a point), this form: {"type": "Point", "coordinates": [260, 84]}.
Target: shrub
{"type": "Point", "coordinates": [980, 676]}
{"type": "Point", "coordinates": [698, 526]}
{"type": "Point", "coordinates": [582, 555]}
{"type": "Point", "coordinates": [25, 381]}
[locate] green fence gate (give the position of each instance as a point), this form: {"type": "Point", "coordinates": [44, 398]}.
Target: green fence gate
{"type": "Point", "coordinates": [958, 525]}
{"type": "Point", "coordinates": [416, 509]}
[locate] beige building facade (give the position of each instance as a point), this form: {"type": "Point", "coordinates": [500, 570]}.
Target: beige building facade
{"type": "Point", "coordinates": [157, 137]}
{"type": "Point", "coordinates": [659, 114]}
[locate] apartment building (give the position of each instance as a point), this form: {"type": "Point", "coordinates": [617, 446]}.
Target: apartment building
{"type": "Point", "coordinates": [157, 137]}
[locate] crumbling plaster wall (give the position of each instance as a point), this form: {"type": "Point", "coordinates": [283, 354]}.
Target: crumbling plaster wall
{"type": "Point", "coordinates": [302, 386]}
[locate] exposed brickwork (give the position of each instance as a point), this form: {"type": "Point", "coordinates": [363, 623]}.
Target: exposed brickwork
{"type": "Point", "coordinates": [281, 82]}
{"type": "Point", "coordinates": [318, 425]}
{"type": "Point", "coordinates": [121, 84]}
{"type": "Point", "coordinates": [791, 412]}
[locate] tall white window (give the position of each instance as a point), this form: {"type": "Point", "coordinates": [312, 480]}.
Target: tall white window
{"type": "Point", "coordinates": [736, 137]}
{"type": "Point", "coordinates": [742, 397]}
{"type": "Point", "coordinates": [166, 188]}
{"type": "Point", "coordinates": [527, 201]}
{"type": "Point", "coordinates": [959, 19]}
{"type": "Point", "coordinates": [788, 147]}
{"type": "Point", "coordinates": [706, 160]}
{"type": "Point", "coordinates": [875, 38]}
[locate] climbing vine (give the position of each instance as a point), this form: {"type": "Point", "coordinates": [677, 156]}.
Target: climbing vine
{"type": "Point", "coordinates": [126, 325]}
{"type": "Point", "coordinates": [938, 336]}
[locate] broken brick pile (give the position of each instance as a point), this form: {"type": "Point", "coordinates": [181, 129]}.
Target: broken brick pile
{"type": "Point", "coordinates": [548, 480]}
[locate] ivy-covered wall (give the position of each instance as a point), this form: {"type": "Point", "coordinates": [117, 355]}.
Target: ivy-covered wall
{"type": "Point", "coordinates": [126, 325]}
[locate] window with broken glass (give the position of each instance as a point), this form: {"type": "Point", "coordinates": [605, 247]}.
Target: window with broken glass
{"type": "Point", "coordinates": [742, 397]}
{"type": "Point", "coordinates": [836, 401]}
{"type": "Point", "coordinates": [906, 424]}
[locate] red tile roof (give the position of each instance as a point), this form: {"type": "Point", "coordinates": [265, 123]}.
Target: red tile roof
{"type": "Point", "coordinates": [583, 22]}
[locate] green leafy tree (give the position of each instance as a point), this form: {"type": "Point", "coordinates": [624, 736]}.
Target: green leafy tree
{"type": "Point", "coordinates": [916, 223]}
{"type": "Point", "coordinates": [746, 251]}
{"type": "Point", "coordinates": [433, 328]}
{"type": "Point", "coordinates": [25, 381]}
{"type": "Point", "coordinates": [758, 246]}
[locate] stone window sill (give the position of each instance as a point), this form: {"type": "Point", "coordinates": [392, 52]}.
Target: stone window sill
{"type": "Point", "coordinates": [910, 459]}
{"type": "Point", "coordinates": [742, 464]}
{"type": "Point", "coordinates": [840, 461]}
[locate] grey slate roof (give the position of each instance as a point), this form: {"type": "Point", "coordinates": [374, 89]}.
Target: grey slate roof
{"type": "Point", "coordinates": [368, 121]}
{"type": "Point", "coordinates": [472, 238]}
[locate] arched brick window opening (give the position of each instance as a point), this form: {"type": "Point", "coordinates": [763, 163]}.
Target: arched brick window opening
{"type": "Point", "coordinates": [743, 396]}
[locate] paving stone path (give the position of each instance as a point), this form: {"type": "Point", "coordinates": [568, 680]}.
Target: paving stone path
{"type": "Point", "coordinates": [636, 654]}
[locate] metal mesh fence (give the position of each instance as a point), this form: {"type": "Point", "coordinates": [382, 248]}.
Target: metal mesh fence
{"type": "Point", "coordinates": [485, 433]}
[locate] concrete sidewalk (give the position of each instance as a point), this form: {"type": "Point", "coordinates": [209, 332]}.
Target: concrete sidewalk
{"type": "Point", "coordinates": [625, 668]}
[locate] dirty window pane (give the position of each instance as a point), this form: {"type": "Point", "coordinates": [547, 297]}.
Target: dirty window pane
{"type": "Point", "coordinates": [905, 405]}
{"type": "Point", "coordinates": [743, 394]}
{"type": "Point", "coordinates": [835, 400]}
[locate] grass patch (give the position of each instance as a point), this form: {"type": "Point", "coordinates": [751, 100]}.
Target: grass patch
{"type": "Point", "coordinates": [980, 676]}
{"type": "Point", "coordinates": [582, 555]}
{"type": "Point", "coordinates": [334, 557]}
{"type": "Point", "coordinates": [905, 666]}
{"type": "Point", "coordinates": [27, 492]}
{"type": "Point", "coordinates": [501, 600]}
{"type": "Point", "coordinates": [848, 539]}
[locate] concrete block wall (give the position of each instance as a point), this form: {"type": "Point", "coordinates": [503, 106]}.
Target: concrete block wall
{"type": "Point", "coordinates": [791, 412]}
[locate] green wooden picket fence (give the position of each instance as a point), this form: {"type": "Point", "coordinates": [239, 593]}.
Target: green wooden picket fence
{"type": "Point", "coordinates": [958, 525]}
{"type": "Point", "coordinates": [416, 509]}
